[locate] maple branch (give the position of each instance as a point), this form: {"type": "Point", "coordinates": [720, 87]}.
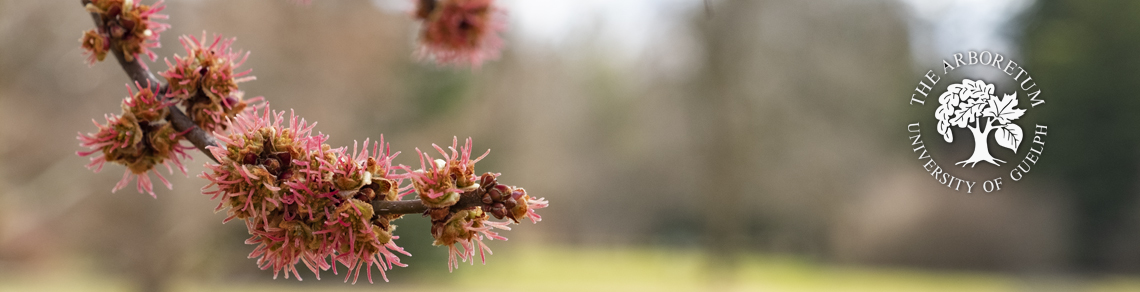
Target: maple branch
{"type": "Point", "coordinates": [201, 139]}
{"type": "Point", "coordinates": [398, 207]}
{"type": "Point", "coordinates": [141, 75]}
{"type": "Point", "coordinates": [467, 200]}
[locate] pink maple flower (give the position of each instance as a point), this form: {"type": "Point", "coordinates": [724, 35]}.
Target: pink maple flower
{"type": "Point", "coordinates": [130, 26]}
{"type": "Point", "coordinates": [474, 230]}
{"type": "Point", "coordinates": [95, 46]}
{"type": "Point", "coordinates": [525, 205]}
{"type": "Point", "coordinates": [460, 32]}
{"type": "Point", "coordinates": [138, 139]}
{"type": "Point", "coordinates": [433, 182]}
{"type": "Point", "coordinates": [441, 184]}
{"type": "Point", "coordinates": [206, 81]}
{"type": "Point", "coordinates": [211, 68]}
{"type": "Point", "coordinates": [463, 232]}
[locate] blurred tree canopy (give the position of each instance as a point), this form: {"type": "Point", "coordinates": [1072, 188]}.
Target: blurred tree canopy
{"type": "Point", "coordinates": [1081, 53]}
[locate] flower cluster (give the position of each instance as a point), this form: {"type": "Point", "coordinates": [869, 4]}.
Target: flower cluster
{"type": "Point", "coordinates": [306, 202]}
{"type": "Point", "coordinates": [448, 181]}
{"type": "Point", "coordinates": [460, 32]}
{"type": "Point", "coordinates": [129, 26]}
{"type": "Point", "coordinates": [303, 201]}
{"type": "Point", "coordinates": [206, 83]}
{"type": "Point", "coordinates": [139, 138]}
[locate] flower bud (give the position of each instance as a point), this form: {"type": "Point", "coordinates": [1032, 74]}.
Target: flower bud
{"type": "Point", "coordinates": [131, 26]}
{"type": "Point", "coordinates": [95, 45]}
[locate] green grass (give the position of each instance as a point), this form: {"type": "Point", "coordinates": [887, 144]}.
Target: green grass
{"type": "Point", "coordinates": [689, 270]}
{"type": "Point", "coordinates": [621, 269]}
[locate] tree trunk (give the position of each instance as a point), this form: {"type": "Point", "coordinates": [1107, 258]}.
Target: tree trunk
{"type": "Point", "coordinates": [981, 149]}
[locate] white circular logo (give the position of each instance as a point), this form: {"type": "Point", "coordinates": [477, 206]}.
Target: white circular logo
{"type": "Point", "coordinates": [984, 111]}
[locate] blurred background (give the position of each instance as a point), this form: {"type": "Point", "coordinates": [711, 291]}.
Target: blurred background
{"type": "Point", "coordinates": [685, 145]}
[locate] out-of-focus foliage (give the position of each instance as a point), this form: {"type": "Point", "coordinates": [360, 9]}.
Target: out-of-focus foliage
{"type": "Point", "coordinates": [1083, 53]}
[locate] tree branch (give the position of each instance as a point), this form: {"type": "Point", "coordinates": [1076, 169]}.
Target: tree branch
{"type": "Point", "coordinates": [141, 75]}
{"type": "Point", "coordinates": [398, 207]}
{"type": "Point", "coordinates": [201, 139]}
{"type": "Point", "coordinates": [467, 200]}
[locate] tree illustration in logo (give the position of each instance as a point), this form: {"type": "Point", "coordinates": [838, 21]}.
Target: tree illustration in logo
{"type": "Point", "coordinates": [972, 105]}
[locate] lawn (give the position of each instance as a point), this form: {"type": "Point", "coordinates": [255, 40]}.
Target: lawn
{"type": "Point", "coordinates": [625, 269]}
